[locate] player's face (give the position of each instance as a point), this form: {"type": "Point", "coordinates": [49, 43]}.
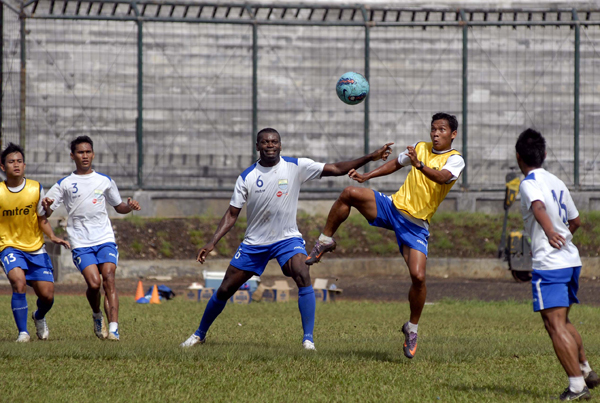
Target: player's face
{"type": "Point", "coordinates": [83, 156]}
{"type": "Point", "coordinates": [269, 148]}
{"type": "Point", "coordinates": [14, 166]}
{"type": "Point", "coordinates": [442, 135]}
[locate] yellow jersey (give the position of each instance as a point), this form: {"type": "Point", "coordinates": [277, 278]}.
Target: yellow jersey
{"type": "Point", "coordinates": [419, 196]}
{"type": "Point", "coordinates": [19, 226]}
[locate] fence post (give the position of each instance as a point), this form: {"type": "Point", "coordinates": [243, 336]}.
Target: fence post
{"type": "Point", "coordinates": [1, 69]}
{"type": "Point", "coordinates": [367, 76]}
{"type": "Point", "coordinates": [465, 97]}
{"type": "Point", "coordinates": [254, 88]}
{"type": "Point", "coordinates": [139, 127]}
{"type": "Point", "coordinates": [23, 82]}
{"type": "Point", "coordinates": [576, 101]}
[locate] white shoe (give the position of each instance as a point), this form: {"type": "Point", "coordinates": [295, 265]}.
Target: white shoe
{"type": "Point", "coordinates": [308, 345]}
{"type": "Point", "coordinates": [41, 328]}
{"type": "Point", "coordinates": [114, 336]}
{"type": "Point", "coordinates": [100, 328]}
{"type": "Point", "coordinates": [23, 337]}
{"type": "Point", "coordinates": [191, 341]}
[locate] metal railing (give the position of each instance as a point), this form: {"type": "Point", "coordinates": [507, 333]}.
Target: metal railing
{"type": "Point", "coordinates": [175, 92]}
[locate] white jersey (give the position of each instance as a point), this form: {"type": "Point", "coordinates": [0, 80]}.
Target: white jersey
{"type": "Point", "coordinates": [272, 197]}
{"type": "Point", "coordinates": [85, 198]}
{"type": "Point", "coordinates": [543, 186]}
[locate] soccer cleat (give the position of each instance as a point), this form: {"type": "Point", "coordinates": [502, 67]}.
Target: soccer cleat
{"type": "Point", "coordinates": [23, 338]}
{"type": "Point", "coordinates": [308, 345]}
{"type": "Point", "coordinates": [41, 328]}
{"type": "Point", "coordinates": [100, 328]}
{"type": "Point", "coordinates": [192, 341]}
{"type": "Point", "coordinates": [410, 342]}
{"type": "Point", "coordinates": [592, 380]}
{"type": "Point", "coordinates": [319, 250]}
{"type": "Point", "coordinates": [114, 336]}
{"type": "Point", "coordinates": [570, 395]}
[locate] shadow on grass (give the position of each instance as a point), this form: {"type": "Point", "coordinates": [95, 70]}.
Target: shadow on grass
{"type": "Point", "coordinates": [500, 390]}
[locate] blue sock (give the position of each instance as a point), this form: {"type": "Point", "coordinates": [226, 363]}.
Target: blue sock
{"type": "Point", "coordinates": [307, 305]}
{"type": "Point", "coordinates": [213, 309]}
{"type": "Point", "coordinates": [18, 304]}
{"type": "Point", "coordinates": [43, 308]}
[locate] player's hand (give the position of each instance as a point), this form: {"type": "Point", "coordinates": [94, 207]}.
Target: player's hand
{"type": "Point", "coordinates": [556, 240]}
{"type": "Point", "coordinates": [353, 174]}
{"type": "Point", "coordinates": [383, 153]}
{"type": "Point", "coordinates": [203, 253]}
{"type": "Point", "coordinates": [46, 203]}
{"type": "Point", "coordinates": [60, 241]}
{"type": "Point", "coordinates": [412, 154]}
{"type": "Point", "coordinates": [133, 204]}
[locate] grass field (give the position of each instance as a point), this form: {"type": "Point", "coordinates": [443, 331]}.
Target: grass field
{"type": "Point", "coordinates": [467, 351]}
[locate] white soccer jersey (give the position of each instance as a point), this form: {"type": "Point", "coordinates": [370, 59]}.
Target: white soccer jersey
{"type": "Point", "coordinates": [543, 186]}
{"type": "Point", "coordinates": [272, 197]}
{"type": "Point", "coordinates": [84, 198]}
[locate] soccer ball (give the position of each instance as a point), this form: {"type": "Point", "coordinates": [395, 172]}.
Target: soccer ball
{"type": "Point", "coordinates": [352, 88]}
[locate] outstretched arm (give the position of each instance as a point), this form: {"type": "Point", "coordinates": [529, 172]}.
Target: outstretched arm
{"type": "Point", "coordinates": [47, 229]}
{"type": "Point", "coordinates": [343, 167]}
{"type": "Point", "coordinates": [538, 208]}
{"type": "Point", "coordinates": [388, 168]}
{"type": "Point", "coordinates": [227, 222]}
{"type": "Point", "coordinates": [129, 207]}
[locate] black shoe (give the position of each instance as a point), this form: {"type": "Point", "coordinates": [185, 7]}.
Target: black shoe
{"type": "Point", "coordinates": [319, 250]}
{"type": "Point", "coordinates": [592, 380]}
{"type": "Point", "coordinates": [569, 395]}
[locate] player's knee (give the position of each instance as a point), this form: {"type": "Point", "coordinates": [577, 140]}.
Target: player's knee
{"type": "Point", "coordinates": [302, 277]}
{"type": "Point", "coordinates": [19, 286]}
{"type": "Point", "coordinates": [224, 293]}
{"type": "Point", "coordinates": [418, 279]}
{"type": "Point", "coordinates": [349, 193]}
{"type": "Point", "coordinates": [94, 284]}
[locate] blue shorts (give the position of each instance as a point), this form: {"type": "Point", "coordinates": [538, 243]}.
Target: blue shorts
{"type": "Point", "coordinates": [555, 288]}
{"type": "Point", "coordinates": [407, 233]}
{"type": "Point", "coordinates": [103, 253]}
{"type": "Point", "coordinates": [255, 258]}
{"type": "Point", "coordinates": [37, 267]}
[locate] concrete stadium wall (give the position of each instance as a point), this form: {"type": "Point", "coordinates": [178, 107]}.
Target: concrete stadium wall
{"type": "Point", "coordinates": [81, 79]}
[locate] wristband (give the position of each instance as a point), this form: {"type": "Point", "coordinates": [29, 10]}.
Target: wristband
{"type": "Point", "coordinates": [420, 168]}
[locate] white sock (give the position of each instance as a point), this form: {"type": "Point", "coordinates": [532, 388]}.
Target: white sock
{"type": "Point", "coordinates": [113, 327]}
{"type": "Point", "coordinates": [576, 383]}
{"type": "Point", "coordinates": [325, 239]}
{"type": "Point", "coordinates": [585, 368]}
{"type": "Point", "coordinates": [412, 328]}
{"type": "Point", "coordinates": [97, 315]}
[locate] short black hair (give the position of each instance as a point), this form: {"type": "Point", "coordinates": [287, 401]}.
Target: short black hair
{"type": "Point", "coordinates": [11, 148]}
{"type": "Point", "coordinates": [79, 140]}
{"type": "Point", "coordinates": [267, 130]}
{"type": "Point", "coordinates": [451, 119]}
{"type": "Point", "coordinates": [531, 147]}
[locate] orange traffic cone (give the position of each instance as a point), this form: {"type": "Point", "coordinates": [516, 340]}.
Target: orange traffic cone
{"type": "Point", "coordinates": [154, 299]}
{"type": "Point", "coordinates": [139, 293]}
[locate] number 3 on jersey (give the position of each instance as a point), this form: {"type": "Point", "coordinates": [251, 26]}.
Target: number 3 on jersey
{"type": "Point", "coordinates": [562, 208]}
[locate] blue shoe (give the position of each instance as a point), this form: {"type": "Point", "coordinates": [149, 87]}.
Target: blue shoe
{"type": "Point", "coordinates": [114, 335]}
{"type": "Point", "coordinates": [100, 328]}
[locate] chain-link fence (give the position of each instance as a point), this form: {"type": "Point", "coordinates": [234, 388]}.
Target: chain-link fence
{"type": "Point", "coordinates": [174, 93]}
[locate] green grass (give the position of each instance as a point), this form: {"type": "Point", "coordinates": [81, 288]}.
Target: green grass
{"type": "Point", "coordinates": [468, 351]}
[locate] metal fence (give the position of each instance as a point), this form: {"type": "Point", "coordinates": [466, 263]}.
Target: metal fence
{"type": "Point", "coordinates": [173, 93]}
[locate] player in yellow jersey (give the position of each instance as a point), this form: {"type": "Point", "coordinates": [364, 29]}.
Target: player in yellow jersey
{"type": "Point", "coordinates": [436, 166]}
{"type": "Point", "coordinates": [22, 253]}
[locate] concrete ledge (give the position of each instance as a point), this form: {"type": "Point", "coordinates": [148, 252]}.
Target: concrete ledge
{"type": "Point", "coordinates": [436, 267]}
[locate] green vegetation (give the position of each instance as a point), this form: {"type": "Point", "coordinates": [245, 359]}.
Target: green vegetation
{"type": "Point", "coordinates": [468, 351]}
{"type": "Point", "coordinates": [466, 235]}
